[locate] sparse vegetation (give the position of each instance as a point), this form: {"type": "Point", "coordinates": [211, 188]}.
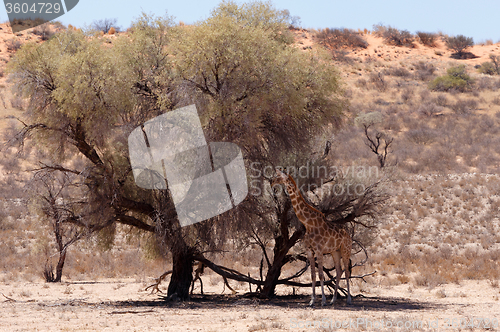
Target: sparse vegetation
{"type": "Point", "coordinates": [105, 25]}
{"type": "Point", "coordinates": [463, 106]}
{"type": "Point", "coordinates": [13, 44]}
{"type": "Point", "coordinates": [45, 31]}
{"type": "Point", "coordinates": [424, 71]}
{"type": "Point", "coordinates": [460, 44]}
{"type": "Point", "coordinates": [393, 36]}
{"type": "Point", "coordinates": [427, 38]}
{"type": "Point", "coordinates": [456, 79]}
{"type": "Point", "coordinates": [492, 67]}
{"type": "Point", "coordinates": [335, 39]}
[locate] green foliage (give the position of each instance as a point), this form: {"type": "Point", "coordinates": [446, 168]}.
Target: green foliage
{"type": "Point", "coordinates": [147, 67]}
{"type": "Point", "coordinates": [253, 84]}
{"type": "Point", "coordinates": [257, 14]}
{"type": "Point", "coordinates": [492, 67]}
{"type": "Point", "coordinates": [67, 80]}
{"type": "Point", "coordinates": [488, 68]}
{"type": "Point", "coordinates": [455, 79]}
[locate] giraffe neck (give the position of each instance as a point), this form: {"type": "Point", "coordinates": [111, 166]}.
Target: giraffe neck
{"type": "Point", "coordinates": [304, 211]}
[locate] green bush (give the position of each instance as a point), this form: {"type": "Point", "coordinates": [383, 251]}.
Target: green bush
{"type": "Point", "coordinates": [491, 68]}
{"type": "Point", "coordinates": [455, 79]}
{"type": "Point", "coordinates": [487, 68]}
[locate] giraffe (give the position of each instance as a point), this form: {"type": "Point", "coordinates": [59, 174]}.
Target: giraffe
{"type": "Point", "coordinates": [320, 238]}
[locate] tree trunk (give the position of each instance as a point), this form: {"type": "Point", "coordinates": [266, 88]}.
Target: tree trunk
{"type": "Point", "coordinates": [182, 272]}
{"type": "Point", "coordinates": [60, 265]}
{"type": "Point", "coordinates": [59, 241]}
{"type": "Point", "coordinates": [283, 243]}
{"type": "Point", "coordinates": [281, 248]}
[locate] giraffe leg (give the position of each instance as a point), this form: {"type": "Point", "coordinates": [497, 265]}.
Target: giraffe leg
{"type": "Point", "coordinates": [338, 269]}
{"type": "Point", "coordinates": [347, 276]}
{"type": "Point", "coordinates": [310, 256]}
{"type": "Point", "coordinates": [319, 258]}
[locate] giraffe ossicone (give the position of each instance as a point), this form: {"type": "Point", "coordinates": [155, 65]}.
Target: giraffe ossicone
{"type": "Point", "coordinates": [320, 238]}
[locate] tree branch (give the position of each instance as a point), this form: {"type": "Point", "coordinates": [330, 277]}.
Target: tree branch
{"type": "Point", "coordinates": [131, 221]}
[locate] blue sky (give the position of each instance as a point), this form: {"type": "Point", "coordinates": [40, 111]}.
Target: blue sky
{"type": "Point", "coordinates": [478, 19]}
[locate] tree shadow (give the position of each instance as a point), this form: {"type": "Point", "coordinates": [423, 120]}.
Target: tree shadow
{"type": "Point", "coordinates": [359, 303]}
{"type": "Point", "coordinates": [463, 56]}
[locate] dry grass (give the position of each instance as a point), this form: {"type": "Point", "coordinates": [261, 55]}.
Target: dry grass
{"type": "Point", "coordinates": [449, 232]}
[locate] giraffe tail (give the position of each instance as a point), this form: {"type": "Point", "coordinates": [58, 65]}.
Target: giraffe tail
{"type": "Point", "coordinates": [350, 266]}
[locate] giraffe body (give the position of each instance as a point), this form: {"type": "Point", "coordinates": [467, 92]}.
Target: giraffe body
{"type": "Point", "coordinates": [320, 239]}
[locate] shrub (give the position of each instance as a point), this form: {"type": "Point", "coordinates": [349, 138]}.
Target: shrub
{"type": "Point", "coordinates": [441, 100]}
{"type": "Point", "coordinates": [43, 31]}
{"type": "Point", "coordinates": [379, 30]}
{"type": "Point", "coordinates": [407, 94]}
{"type": "Point", "coordinates": [341, 38]}
{"type": "Point", "coordinates": [455, 79]}
{"type": "Point", "coordinates": [13, 44]}
{"type": "Point", "coordinates": [395, 37]}
{"type": "Point", "coordinates": [427, 39]}
{"type": "Point", "coordinates": [423, 135]}
{"type": "Point", "coordinates": [399, 72]}
{"type": "Point", "coordinates": [378, 81]}
{"type": "Point", "coordinates": [105, 25]}
{"type": "Point", "coordinates": [491, 68]}
{"type": "Point", "coordinates": [429, 109]}
{"type": "Point", "coordinates": [488, 68]}
{"type": "Point", "coordinates": [459, 44]}
{"type": "Point", "coordinates": [464, 106]}
{"type": "Point", "coordinates": [485, 83]}
{"type": "Point", "coordinates": [341, 56]}
{"type": "Point", "coordinates": [424, 71]}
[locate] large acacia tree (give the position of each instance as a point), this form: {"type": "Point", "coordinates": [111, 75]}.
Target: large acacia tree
{"type": "Point", "coordinates": [251, 86]}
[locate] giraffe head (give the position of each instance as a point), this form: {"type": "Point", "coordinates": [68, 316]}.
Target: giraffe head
{"type": "Point", "coordinates": [279, 178]}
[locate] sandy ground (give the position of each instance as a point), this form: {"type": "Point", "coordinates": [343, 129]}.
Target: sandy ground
{"type": "Point", "coordinates": [124, 305]}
